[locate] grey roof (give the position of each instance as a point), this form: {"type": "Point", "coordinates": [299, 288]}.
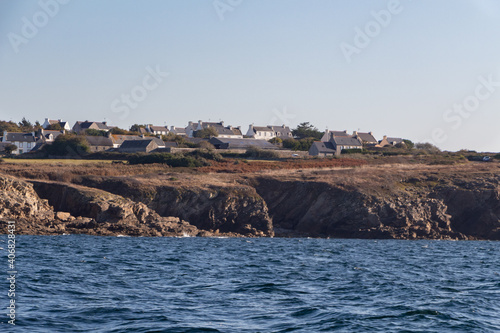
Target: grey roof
{"type": "Point", "coordinates": [262, 129]}
{"type": "Point", "coordinates": [282, 130]}
{"type": "Point", "coordinates": [346, 141]}
{"type": "Point", "coordinates": [20, 137]}
{"type": "Point", "coordinates": [179, 130]}
{"type": "Point", "coordinates": [230, 143]}
{"type": "Point", "coordinates": [99, 141]}
{"type": "Point", "coordinates": [367, 137]}
{"type": "Point", "coordinates": [395, 140]}
{"type": "Point", "coordinates": [331, 134]}
{"type": "Point", "coordinates": [119, 138]}
{"type": "Point", "coordinates": [219, 127]}
{"type": "Point", "coordinates": [159, 128]}
{"type": "Point", "coordinates": [324, 147]}
{"type": "Point", "coordinates": [136, 143]}
{"type": "Point", "coordinates": [87, 124]}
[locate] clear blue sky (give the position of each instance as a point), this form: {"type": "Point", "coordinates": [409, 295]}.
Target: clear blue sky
{"type": "Point", "coordinates": [261, 62]}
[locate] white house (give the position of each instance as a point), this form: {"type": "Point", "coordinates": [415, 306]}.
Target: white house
{"type": "Point", "coordinates": [222, 131]}
{"type": "Point", "coordinates": [269, 132]}
{"type": "Point", "coordinates": [24, 142]}
{"type": "Point", "coordinates": [157, 130]}
{"type": "Point", "coordinates": [64, 124]}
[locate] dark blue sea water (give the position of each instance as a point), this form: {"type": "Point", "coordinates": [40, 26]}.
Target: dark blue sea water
{"type": "Point", "coordinates": [108, 284]}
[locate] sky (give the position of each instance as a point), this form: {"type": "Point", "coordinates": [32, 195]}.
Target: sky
{"type": "Point", "coordinates": [424, 70]}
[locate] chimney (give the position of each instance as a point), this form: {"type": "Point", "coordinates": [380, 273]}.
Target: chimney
{"type": "Point", "coordinates": [142, 136]}
{"type": "Point", "coordinates": [104, 122]}
{"type": "Point", "coordinates": [371, 133]}
{"type": "Point", "coordinates": [284, 126]}
{"type": "Point", "coordinates": [345, 131]}
{"type": "Point", "coordinates": [59, 120]}
{"type": "Point", "coordinates": [222, 123]}
{"type": "Point", "coordinates": [172, 128]}
{"type": "Point", "coordinates": [250, 127]}
{"type": "Point", "coordinates": [190, 123]}
{"type": "Point", "coordinates": [385, 137]}
{"type": "Point", "coordinates": [355, 133]}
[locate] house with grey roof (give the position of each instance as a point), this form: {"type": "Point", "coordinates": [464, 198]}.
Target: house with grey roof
{"type": "Point", "coordinates": [181, 131]}
{"type": "Point", "coordinates": [331, 134]}
{"type": "Point", "coordinates": [365, 138]}
{"type": "Point", "coordinates": [81, 126]}
{"type": "Point", "coordinates": [322, 149]}
{"type": "Point", "coordinates": [24, 142]}
{"type": "Point", "coordinates": [99, 143]}
{"type": "Point", "coordinates": [64, 124]}
{"type": "Point", "coordinates": [222, 131]}
{"type": "Point", "coordinates": [231, 143]}
{"type": "Point", "coordinates": [334, 146]}
{"type": "Point", "coordinates": [386, 141]}
{"type": "Point", "coordinates": [157, 130]}
{"type": "Point", "coordinates": [141, 146]}
{"type": "Point", "coordinates": [269, 132]}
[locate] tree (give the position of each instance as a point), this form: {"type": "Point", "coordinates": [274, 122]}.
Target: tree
{"type": "Point", "coordinates": [136, 128]}
{"type": "Point", "coordinates": [409, 144]}
{"type": "Point", "coordinates": [54, 127]}
{"type": "Point", "coordinates": [9, 126]}
{"type": "Point", "coordinates": [25, 125]}
{"type": "Point", "coordinates": [206, 133]}
{"type": "Point", "coordinates": [94, 132]}
{"type": "Point", "coordinates": [276, 141]}
{"type": "Point", "coordinates": [9, 149]}
{"type": "Point", "coordinates": [428, 147]}
{"type": "Point", "coordinates": [119, 131]}
{"type": "Point", "coordinates": [68, 145]}
{"type": "Point", "coordinates": [306, 130]}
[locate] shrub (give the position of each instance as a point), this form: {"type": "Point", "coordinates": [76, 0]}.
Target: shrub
{"type": "Point", "coordinates": [68, 145]}
{"type": "Point", "coordinates": [173, 160]}
{"type": "Point", "coordinates": [255, 152]}
{"type": "Point", "coordinates": [353, 151]}
{"type": "Point", "coordinates": [497, 156]}
{"type": "Point", "coordinates": [208, 154]}
{"type": "Point", "coordinates": [1, 160]}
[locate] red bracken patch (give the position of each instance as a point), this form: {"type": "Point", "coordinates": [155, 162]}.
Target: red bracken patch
{"type": "Point", "coordinates": [231, 166]}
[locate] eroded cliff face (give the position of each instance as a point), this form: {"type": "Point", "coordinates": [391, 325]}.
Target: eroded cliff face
{"type": "Point", "coordinates": [425, 207]}
{"type": "Point", "coordinates": [412, 204]}
{"type": "Point", "coordinates": [225, 208]}
{"type": "Point", "coordinates": [18, 200]}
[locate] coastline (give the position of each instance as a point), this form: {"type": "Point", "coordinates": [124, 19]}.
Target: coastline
{"type": "Point", "coordinates": [383, 201]}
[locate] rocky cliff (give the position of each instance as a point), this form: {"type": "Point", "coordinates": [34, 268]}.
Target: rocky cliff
{"type": "Point", "coordinates": [405, 203]}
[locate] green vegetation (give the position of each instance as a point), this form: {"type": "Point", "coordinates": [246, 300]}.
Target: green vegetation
{"type": "Point", "coordinates": [94, 132]}
{"type": "Point", "coordinates": [9, 149]}
{"type": "Point", "coordinates": [306, 130]}
{"type": "Point", "coordinates": [173, 160]}
{"type": "Point", "coordinates": [180, 140]}
{"type": "Point", "coordinates": [301, 144]}
{"type": "Point", "coordinates": [136, 128]}
{"type": "Point", "coordinates": [68, 145]}
{"type": "Point", "coordinates": [428, 147]}
{"type": "Point", "coordinates": [206, 133]}
{"type": "Point", "coordinates": [54, 127]}
{"type": "Point", "coordinates": [254, 152]}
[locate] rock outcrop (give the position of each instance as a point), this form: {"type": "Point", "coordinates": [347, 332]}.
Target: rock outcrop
{"type": "Point", "coordinates": [409, 204]}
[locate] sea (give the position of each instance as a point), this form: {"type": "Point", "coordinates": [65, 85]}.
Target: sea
{"type": "Point", "coordinates": [79, 283]}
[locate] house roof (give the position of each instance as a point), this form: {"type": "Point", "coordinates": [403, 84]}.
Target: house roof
{"type": "Point", "coordinates": [241, 143]}
{"type": "Point", "coordinates": [281, 129]}
{"type": "Point", "coordinates": [119, 138]}
{"type": "Point", "coordinates": [324, 147]}
{"type": "Point", "coordinates": [87, 124]}
{"type": "Point", "coordinates": [346, 141]}
{"type": "Point", "coordinates": [137, 144]}
{"type": "Point", "coordinates": [159, 128]}
{"type": "Point", "coordinates": [395, 140]}
{"type": "Point", "coordinates": [262, 129]}
{"type": "Point", "coordinates": [99, 141]}
{"type": "Point", "coordinates": [367, 137]}
{"type": "Point", "coordinates": [20, 137]}
{"type": "Point", "coordinates": [178, 130]}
